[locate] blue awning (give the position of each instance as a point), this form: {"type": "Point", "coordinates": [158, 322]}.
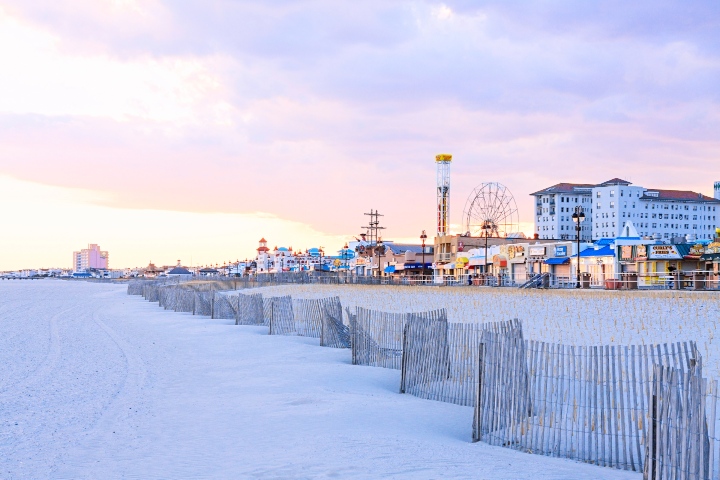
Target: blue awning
{"type": "Point", "coordinates": [605, 251]}
{"type": "Point", "coordinates": [556, 261]}
{"type": "Point", "coordinates": [390, 269]}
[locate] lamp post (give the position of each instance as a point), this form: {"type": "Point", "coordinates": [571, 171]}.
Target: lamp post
{"type": "Point", "coordinates": [379, 247]}
{"type": "Point", "coordinates": [486, 227]}
{"type": "Point", "coordinates": [423, 236]}
{"type": "Point", "coordinates": [321, 257]}
{"type": "Point", "coordinates": [578, 216]}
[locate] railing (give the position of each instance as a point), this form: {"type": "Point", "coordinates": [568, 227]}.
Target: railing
{"type": "Point", "coordinates": [444, 257]}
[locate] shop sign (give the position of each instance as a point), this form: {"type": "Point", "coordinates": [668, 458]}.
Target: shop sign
{"type": "Point", "coordinates": [360, 261]}
{"type": "Point", "coordinates": [561, 250]}
{"type": "Point", "coordinates": [664, 251]}
{"type": "Point", "coordinates": [515, 251]}
{"type": "Point", "coordinates": [641, 252]}
{"type": "Point", "coordinates": [697, 250]}
{"type": "Point", "coordinates": [536, 251]}
{"type": "Point", "coordinates": [626, 252]}
{"type": "Point", "coordinates": [714, 247]}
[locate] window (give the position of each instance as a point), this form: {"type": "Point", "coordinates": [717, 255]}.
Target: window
{"type": "Point", "coordinates": [612, 193]}
{"type": "Point", "coordinates": [598, 195]}
{"type": "Point", "coordinates": [612, 204]}
{"type": "Point", "coordinates": [599, 206]}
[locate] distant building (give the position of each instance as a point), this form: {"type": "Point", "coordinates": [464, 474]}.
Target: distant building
{"type": "Point", "coordinates": [179, 272]}
{"type": "Point", "coordinates": [91, 257]}
{"type": "Point", "coordinates": [609, 206]}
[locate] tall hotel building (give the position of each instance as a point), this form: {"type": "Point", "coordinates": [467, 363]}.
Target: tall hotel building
{"type": "Point", "coordinates": [608, 206]}
{"type": "Point", "coordinates": [91, 257]}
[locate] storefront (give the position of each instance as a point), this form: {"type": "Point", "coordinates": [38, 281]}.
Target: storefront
{"type": "Point", "coordinates": [536, 260]}
{"type": "Point", "coordinates": [516, 263]}
{"type": "Point", "coordinates": [600, 263]}
{"type": "Point", "coordinates": [656, 264]}
{"type": "Point", "coordinates": [559, 264]}
{"type": "Point", "coordinates": [710, 260]}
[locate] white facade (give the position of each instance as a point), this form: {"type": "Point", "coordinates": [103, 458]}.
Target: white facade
{"type": "Point", "coordinates": [554, 207]}
{"type": "Point", "coordinates": [665, 214]}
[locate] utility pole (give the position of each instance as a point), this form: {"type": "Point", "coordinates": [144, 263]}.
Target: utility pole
{"type": "Point", "coordinates": [373, 227]}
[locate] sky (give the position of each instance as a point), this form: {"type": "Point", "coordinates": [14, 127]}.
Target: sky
{"type": "Point", "coordinates": [189, 129]}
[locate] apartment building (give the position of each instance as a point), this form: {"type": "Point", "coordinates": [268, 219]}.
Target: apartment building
{"type": "Point", "coordinates": [91, 257]}
{"type": "Point", "coordinates": [609, 206]}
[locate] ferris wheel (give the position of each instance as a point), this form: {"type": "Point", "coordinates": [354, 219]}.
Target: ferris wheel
{"type": "Point", "coordinates": [491, 211]}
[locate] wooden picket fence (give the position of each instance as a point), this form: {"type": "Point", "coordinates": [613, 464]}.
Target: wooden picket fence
{"type": "Point", "coordinates": [645, 408]}
{"type": "Point", "coordinates": [282, 320]}
{"type": "Point", "coordinates": [203, 303]}
{"type": "Point", "coordinates": [440, 360]}
{"type": "Point", "coordinates": [681, 442]}
{"type": "Point", "coordinates": [333, 332]}
{"type": "Point", "coordinates": [377, 337]}
{"type": "Point", "coordinates": [585, 403]}
{"type": "Point", "coordinates": [250, 309]}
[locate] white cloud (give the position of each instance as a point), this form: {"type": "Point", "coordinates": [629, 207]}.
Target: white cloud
{"type": "Point", "coordinates": [41, 78]}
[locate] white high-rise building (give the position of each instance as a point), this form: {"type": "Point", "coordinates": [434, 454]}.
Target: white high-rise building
{"type": "Point", "coordinates": [554, 207]}
{"type": "Point", "coordinates": [611, 205]}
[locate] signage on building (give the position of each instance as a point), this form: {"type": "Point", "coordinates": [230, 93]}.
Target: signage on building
{"type": "Point", "coordinates": [696, 251]}
{"type": "Point", "coordinates": [664, 251]}
{"type": "Point", "coordinates": [360, 261]}
{"type": "Point", "coordinates": [515, 251]}
{"type": "Point", "coordinates": [561, 250]}
{"type": "Point", "coordinates": [460, 246]}
{"type": "Point", "coordinates": [641, 252]}
{"type": "Point", "coordinates": [536, 251]}
{"type": "Point", "coordinates": [714, 247]}
{"type": "Point", "coordinates": [626, 252]}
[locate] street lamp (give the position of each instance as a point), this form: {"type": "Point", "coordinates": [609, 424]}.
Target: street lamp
{"type": "Point", "coordinates": [379, 248]}
{"type": "Point", "coordinates": [578, 216]}
{"type": "Point", "coordinates": [487, 228]}
{"type": "Point", "coordinates": [423, 236]}
{"type": "Point", "coordinates": [345, 256]}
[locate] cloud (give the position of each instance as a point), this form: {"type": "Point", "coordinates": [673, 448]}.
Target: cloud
{"type": "Point", "coordinates": [317, 111]}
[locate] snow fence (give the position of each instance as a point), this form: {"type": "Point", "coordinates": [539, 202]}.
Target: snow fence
{"type": "Point", "coordinates": [585, 403]}
{"type": "Point", "coordinates": [440, 360]}
{"type": "Point", "coordinates": [377, 337]}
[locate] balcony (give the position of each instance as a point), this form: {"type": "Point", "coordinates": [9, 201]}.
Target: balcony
{"type": "Point", "coordinates": [444, 257]}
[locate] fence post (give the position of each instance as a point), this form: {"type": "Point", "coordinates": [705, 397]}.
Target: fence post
{"type": "Point", "coordinates": [477, 423]}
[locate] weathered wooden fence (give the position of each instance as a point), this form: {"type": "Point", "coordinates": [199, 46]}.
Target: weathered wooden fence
{"type": "Point", "coordinates": [377, 337]}
{"type": "Point", "coordinates": [586, 403]}
{"type": "Point", "coordinates": [308, 316]}
{"type": "Point", "coordinates": [203, 303]}
{"type": "Point", "coordinates": [224, 306]}
{"type": "Point", "coordinates": [250, 309]}
{"type": "Point", "coordinates": [440, 360]}
{"type": "Point", "coordinates": [333, 333]}
{"type": "Point", "coordinates": [681, 442]}
{"type": "Point", "coordinates": [282, 320]}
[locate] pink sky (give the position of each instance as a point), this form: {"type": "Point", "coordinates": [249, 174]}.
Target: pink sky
{"type": "Point", "coordinates": [217, 114]}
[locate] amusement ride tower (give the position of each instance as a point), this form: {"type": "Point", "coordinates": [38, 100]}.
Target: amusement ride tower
{"type": "Point", "coordinates": [443, 193]}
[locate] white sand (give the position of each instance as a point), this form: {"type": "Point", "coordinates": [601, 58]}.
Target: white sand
{"type": "Point", "coordinates": [98, 384]}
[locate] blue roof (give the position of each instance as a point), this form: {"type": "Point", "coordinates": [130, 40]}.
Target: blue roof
{"type": "Point", "coordinates": [556, 261]}
{"type": "Point", "coordinates": [282, 249]}
{"type": "Point", "coordinates": [604, 241]}
{"type": "Point", "coordinates": [605, 251]}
